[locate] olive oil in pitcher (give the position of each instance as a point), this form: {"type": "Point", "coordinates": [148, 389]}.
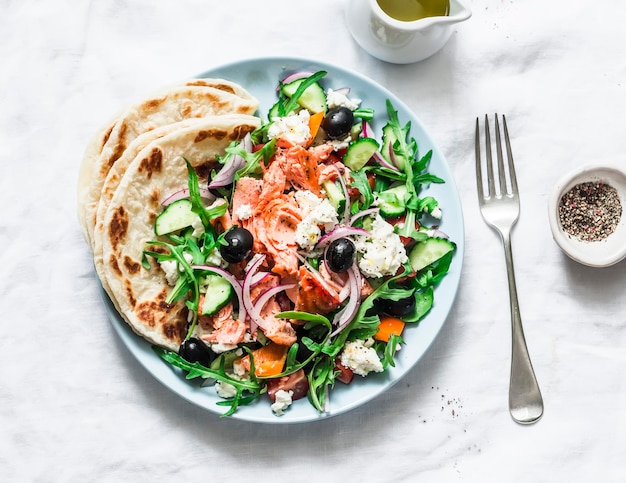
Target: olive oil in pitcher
{"type": "Point", "coordinates": [411, 10]}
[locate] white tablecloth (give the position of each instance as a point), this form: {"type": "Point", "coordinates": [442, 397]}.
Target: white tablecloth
{"type": "Point", "coordinates": [76, 406]}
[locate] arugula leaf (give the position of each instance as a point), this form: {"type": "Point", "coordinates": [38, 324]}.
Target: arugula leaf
{"type": "Point", "coordinates": [427, 204]}
{"type": "Point", "coordinates": [253, 160]}
{"type": "Point", "coordinates": [321, 379]}
{"type": "Point", "coordinates": [196, 370]}
{"type": "Point", "coordinates": [361, 183]}
{"type": "Point", "coordinates": [423, 303]}
{"type": "Point", "coordinates": [389, 350]}
{"type": "Point", "coordinates": [313, 320]}
{"type": "Point", "coordinates": [422, 164]}
{"type": "Point", "coordinates": [425, 178]}
{"type": "Point", "coordinates": [196, 201]}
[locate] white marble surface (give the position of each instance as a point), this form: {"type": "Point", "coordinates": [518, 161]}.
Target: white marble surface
{"type": "Point", "coordinates": [75, 406]}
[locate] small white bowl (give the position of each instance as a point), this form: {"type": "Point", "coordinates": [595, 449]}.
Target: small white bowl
{"type": "Point", "coordinates": [401, 42]}
{"type": "Point", "coordinates": [601, 253]}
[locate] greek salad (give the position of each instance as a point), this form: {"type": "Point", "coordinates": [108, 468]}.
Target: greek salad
{"type": "Point", "coordinates": [307, 253]}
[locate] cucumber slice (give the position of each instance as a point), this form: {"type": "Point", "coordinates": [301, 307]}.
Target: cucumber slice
{"type": "Point", "coordinates": [218, 293]}
{"type": "Point", "coordinates": [313, 98]}
{"type": "Point", "coordinates": [429, 251]}
{"type": "Point", "coordinates": [392, 202]}
{"type": "Point", "coordinates": [359, 153]}
{"type": "Point", "coordinates": [176, 216]}
{"type": "Point", "coordinates": [389, 138]}
{"type": "Point", "coordinates": [356, 130]}
{"type": "Point", "coordinates": [273, 112]}
{"type": "Point", "coordinates": [333, 193]}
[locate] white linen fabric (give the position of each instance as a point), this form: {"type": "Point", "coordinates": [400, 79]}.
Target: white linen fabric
{"type": "Point", "coordinates": [76, 406]}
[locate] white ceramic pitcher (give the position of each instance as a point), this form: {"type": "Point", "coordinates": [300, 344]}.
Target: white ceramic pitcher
{"type": "Point", "coordinates": [401, 42]}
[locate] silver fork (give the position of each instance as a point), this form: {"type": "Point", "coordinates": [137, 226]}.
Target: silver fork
{"type": "Point", "coordinates": [500, 208]}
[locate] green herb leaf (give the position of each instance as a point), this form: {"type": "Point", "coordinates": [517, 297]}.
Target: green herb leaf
{"type": "Point", "coordinates": [361, 183]}
{"type": "Point", "coordinates": [253, 160]}
{"type": "Point", "coordinates": [366, 114]}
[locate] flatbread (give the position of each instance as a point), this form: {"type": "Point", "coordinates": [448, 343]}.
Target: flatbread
{"type": "Point", "coordinates": [85, 173]}
{"type": "Point", "coordinates": [128, 223]}
{"type": "Point", "coordinates": [193, 99]}
{"type": "Point", "coordinates": [114, 178]}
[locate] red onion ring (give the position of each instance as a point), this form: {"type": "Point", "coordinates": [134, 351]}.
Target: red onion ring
{"type": "Point", "coordinates": [226, 175]}
{"type": "Point", "coordinates": [365, 130]}
{"type": "Point", "coordinates": [365, 133]}
{"type": "Point", "coordinates": [268, 294]}
{"type": "Point", "coordinates": [258, 278]}
{"type": "Point", "coordinates": [383, 162]}
{"type": "Point", "coordinates": [345, 292]}
{"type": "Point", "coordinates": [343, 90]}
{"type": "Point", "coordinates": [297, 75]}
{"type": "Point", "coordinates": [339, 232]}
{"type": "Point", "coordinates": [392, 157]}
{"type": "Point", "coordinates": [346, 195]}
{"type": "Point", "coordinates": [363, 213]}
{"type": "Point", "coordinates": [255, 317]}
{"type": "Point", "coordinates": [184, 193]}
{"type": "Point", "coordinates": [437, 233]}
{"type": "Point", "coordinates": [347, 313]}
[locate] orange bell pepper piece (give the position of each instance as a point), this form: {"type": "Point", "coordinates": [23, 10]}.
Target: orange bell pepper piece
{"type": "Point", "coordinates": [315, 121]}
{"type": "Point", "coordinates": [269, 360]}
{"type": "Point", "coordinates": [389, 326]}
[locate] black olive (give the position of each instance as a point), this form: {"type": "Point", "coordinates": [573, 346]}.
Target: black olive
{"type": "Point", "coordinates": [239, 244]}
{"type": "Point", "coordinates": [340, 255]}
{"type": "Point", "coordinates": [194, 350]}
{"type": "Point", "coordinates": [399, 308]}
{"type": "Point", "coordinates": [338, 122]}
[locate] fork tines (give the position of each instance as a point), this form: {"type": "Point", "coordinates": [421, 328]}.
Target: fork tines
{"type": "Point", "coordinates": [504, 172]}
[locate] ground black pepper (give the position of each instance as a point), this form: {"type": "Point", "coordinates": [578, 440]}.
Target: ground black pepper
{"type": "Point", "coordinates": [590, 211]}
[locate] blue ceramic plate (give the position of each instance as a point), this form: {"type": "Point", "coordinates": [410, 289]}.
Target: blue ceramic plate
{"type": "Point", "coordinates": [260, 77]}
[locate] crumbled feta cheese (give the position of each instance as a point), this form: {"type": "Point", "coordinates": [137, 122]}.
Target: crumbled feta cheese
{"type": "Point", "coordinates": [219, 347]}
{"type": "Point", "coordinates": [338, 99]}
{"type": "Point", "coordinates": [318, 214]}
{"type": "Point", "coordinates": [283, 401]}
{"type": "Point", "coordinates": [172, 270]}
{"type": "Point", "coordinates": [244, 212]}
{"type": "Point", "coordinates": [361, 357]}
{"type": "Point", "coordinates": [198, 227]}
{"type": "Point", "coordinates": [215, 258]}
{"type": "Point", "coordinates": [436, 213]}
{"type": "Point", "coordinates": [239, 369]}
{"type": "Point", "coordinates": [382, 251]}
{"type": "Point", "coordinates": [307, 234]}
{"type": "Point", "coordinates": [293, 128]}
{"type": "Point", "coordinates": [307, 201]}
{"type": "Point", "coordinates": [225, 390]}
{"type": "Point", "coordinates": [338, 144]}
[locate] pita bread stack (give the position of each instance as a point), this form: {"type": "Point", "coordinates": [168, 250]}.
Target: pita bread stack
{"type": "Point", "coordinates": [134, 162]}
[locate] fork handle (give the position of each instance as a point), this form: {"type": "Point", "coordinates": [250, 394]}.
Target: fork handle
{"type": "Point", "coordinates": [525, 401]}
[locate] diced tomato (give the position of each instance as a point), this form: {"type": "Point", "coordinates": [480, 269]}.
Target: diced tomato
{"type": "Point", "coordinates": [296, 382]}
{"type": "Point", "coordinates": [345, 373]}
